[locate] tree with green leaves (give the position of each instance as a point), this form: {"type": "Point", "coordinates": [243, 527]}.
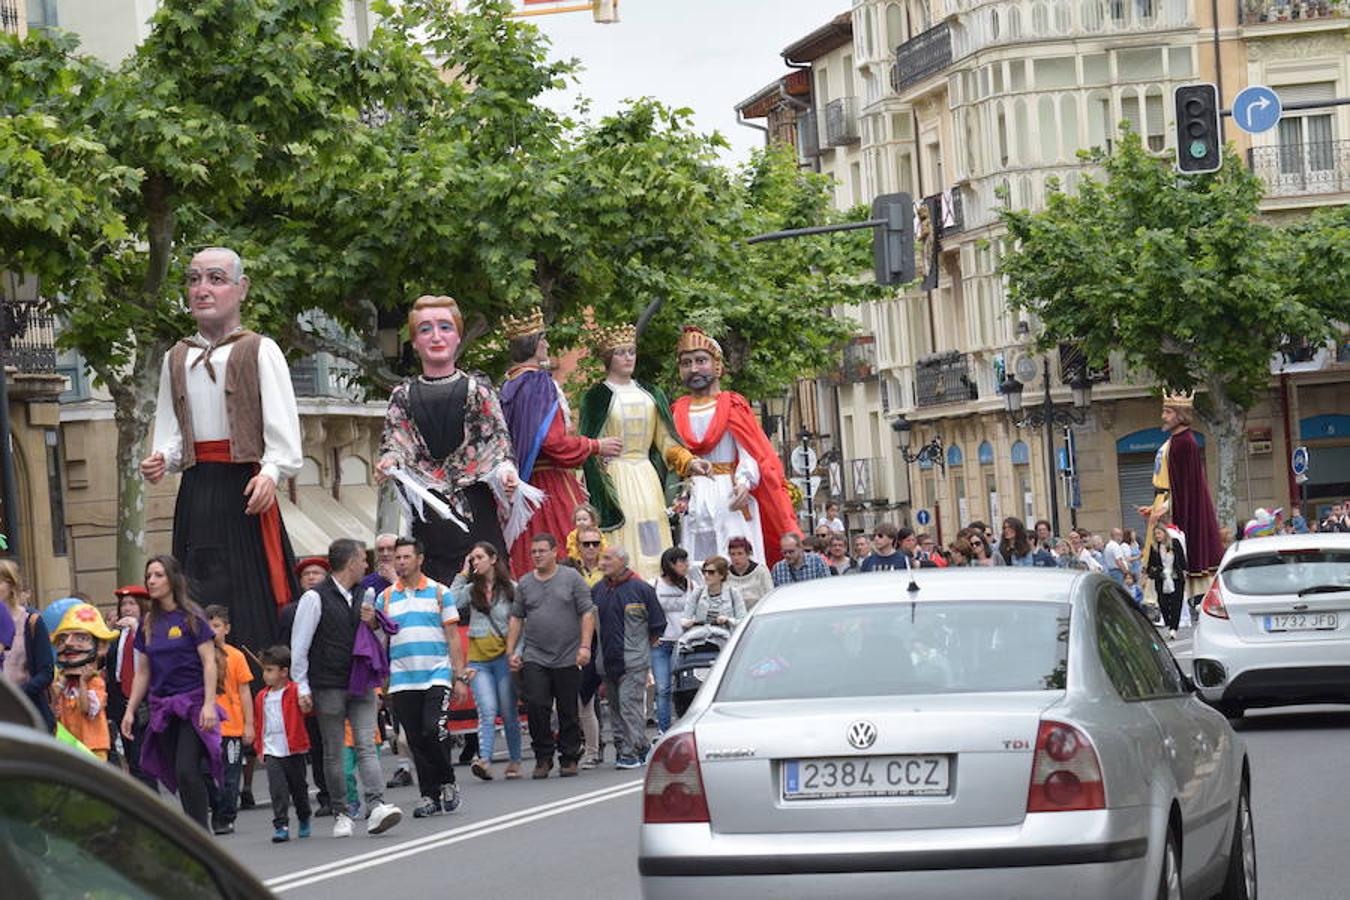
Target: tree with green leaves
{"type": "Point", "coordinates": [1182, 275]}
{"type": "Point", "coordinates": [353, 180]}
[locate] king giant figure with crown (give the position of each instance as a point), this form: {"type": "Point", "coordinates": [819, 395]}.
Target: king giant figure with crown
{"type": "Point", "coordinates": [745, 494]}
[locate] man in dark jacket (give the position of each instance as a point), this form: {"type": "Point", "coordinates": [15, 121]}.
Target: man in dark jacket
{"type": "Point", "coordinates": [630, 622]}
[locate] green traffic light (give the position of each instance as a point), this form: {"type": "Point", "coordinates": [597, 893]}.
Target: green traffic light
{"type": "Point", "coordinates": [1198, 150]}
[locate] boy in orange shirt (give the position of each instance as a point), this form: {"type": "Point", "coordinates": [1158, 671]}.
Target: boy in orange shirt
{"type": "Point", "coordinates": [81, 695]}
{"type": "Point", "coordinates": [236, 697]}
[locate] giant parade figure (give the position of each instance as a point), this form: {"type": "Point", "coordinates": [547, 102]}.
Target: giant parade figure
{"type": "Point", "coordinates": [746, 493]}
{"type": "Point", "coordinates": [630, 490]}
{"type": "Point", "coordinates": [446, 446]}
{"type": "Point", "coordinates": [226, 418]}
{"type": "Point", "coordinates": [1181, 489]}
{"type": "Point", "coordinates": [547, 456]}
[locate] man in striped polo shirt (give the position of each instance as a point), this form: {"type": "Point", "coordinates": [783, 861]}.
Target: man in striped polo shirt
{"type": "Point", "coordinates": [426, 665]}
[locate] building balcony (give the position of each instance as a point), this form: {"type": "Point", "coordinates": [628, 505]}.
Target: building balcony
{"type": "Point", "coordinates": [1295, 170]}
{"type": "Point", "coordinates": [31, 343]}
{"type": "Point", "coordinates": [859, 362]}
{"type": "Point", "coordinates": [1260, 12]}
{"type": "Point", "coordinates": [944, 378]}
{"type": "Point", "coordinates": [841, 122]}
{"type": "Point", "coordinates": [863, 480]}
{"type": "Point", "coordinates": [922, 56]}
{"type": "Point", "coordinates": [953, 219]}
{"type": "Point", "coordinates": [323, 376]}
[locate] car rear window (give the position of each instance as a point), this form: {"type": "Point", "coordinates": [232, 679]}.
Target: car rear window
{"type": "Point", "coordinates": [898, 649]}
{"type": "Point", "coordinates": [1287, 571]}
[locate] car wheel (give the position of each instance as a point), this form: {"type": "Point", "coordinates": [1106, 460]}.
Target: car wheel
{"type": "Point", "coordinates": [1231, 709]}
{"type": "Point", "coordinates": [1240, 883]}
{"type": "Point", "coordinates": [1169, 879]}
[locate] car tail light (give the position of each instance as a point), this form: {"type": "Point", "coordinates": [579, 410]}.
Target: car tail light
{"type": "Point", "coordinates": [673, 791]}
{"type": "Point", "coordinates": [1212, 605]}
{"type": "Point", "coordinates": [1065, 774]}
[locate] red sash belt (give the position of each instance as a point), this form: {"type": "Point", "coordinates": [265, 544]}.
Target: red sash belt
{"type": "Point", "coordinates": [269, 521]}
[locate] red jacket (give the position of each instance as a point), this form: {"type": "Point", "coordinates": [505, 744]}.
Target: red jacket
{"type": "Point", "coordinates": [297, 737]}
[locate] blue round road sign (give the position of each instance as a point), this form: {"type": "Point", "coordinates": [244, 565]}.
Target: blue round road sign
{"type": "Point", "coordinates": [1300, 461]}
{"type": "Point", "coordinates": [1256, 109]}
{"type": "Point", "coordinates": [923, 517]}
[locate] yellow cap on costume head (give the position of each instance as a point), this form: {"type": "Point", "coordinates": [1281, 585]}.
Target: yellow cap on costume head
{"type": "Point", "coordinates": [533, 323]}
{"type": "Point", "coordinates": [693, 338]}
{"type": "Point", "coordinates": [83, 617]}
{"type": "Point", "coordinates": [613, 337]}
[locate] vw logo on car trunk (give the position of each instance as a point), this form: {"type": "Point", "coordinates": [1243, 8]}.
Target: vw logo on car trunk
{"type": "Point", "coordinates": [862, 734]}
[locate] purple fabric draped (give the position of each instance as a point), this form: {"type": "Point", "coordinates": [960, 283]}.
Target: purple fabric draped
{"type": "Point", "coordinates": [370, 661]}
{"type": "Point", "coordinates": [529, 403]}
{"type": "Point", "coordinates": [157, 755]}
{"type": "Point", "coordinates": [1192, 508]}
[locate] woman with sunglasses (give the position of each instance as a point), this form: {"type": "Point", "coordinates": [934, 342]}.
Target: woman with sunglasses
{"type": "Point", "coordinates": [979, 550]}
{"type": "Point", "coordinates": [716, 603]}
{"type": "Point", "coordinates": [673, 588]}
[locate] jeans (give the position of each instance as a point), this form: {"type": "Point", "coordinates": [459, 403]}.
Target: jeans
{"type": "Point", "coordinates": [627, 696]}
{"type": "Point", "coordinates": [1116, 575]}
{"type": "Point", "coordinates": [494, 694]}
{"type": "Point", "coordinates": [225, 798]}
{"type": "Point", "coordinates": [286, 783]}
{"type": "Point", "coordinates": [335, 707]}
{"type": "Point", "coordinates": [425, 716]}
{"type": "Point", "coordinates": [662, 674]}
{"type": "Point", "coordinates": [545, 687]}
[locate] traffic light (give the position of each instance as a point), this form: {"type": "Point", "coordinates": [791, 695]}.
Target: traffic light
{"type": "Point", "coordinates": [1199, 140]}
{"type": "Point", "coordinates": [893, 239]}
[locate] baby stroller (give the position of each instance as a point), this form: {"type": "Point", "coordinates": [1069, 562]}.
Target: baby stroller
{"type": "Point", "coordinates": [695, 653]}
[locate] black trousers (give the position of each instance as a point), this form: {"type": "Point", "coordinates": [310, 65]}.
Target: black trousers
{"type": "Point", "coordinates": [192, 768]}
{"type": "Point", "coordinates": [544, 689]}
{"type": "Point", "coordinates": [1170, 604]}
{"type": "Point", "coordinates": [286, 784]}
{"type": "Point", "coordinates": [316, 759]}
{"type": "Point", "coordinates": [425, 717]}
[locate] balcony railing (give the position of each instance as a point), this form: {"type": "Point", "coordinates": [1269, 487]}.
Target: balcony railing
{"type": "Point", "coordinates": [808, 136]}
{"type": "Point", "coordinates": [841, 122]}
{"type": "Point", "coordinates": [944, 378]}
{"type": "Point", "coordinates": [31, 345]}
{"type": "Point", "coordinates": [1256, 12]}
{"type": "Point", "coordinates": [953, 214]}
{"type": "Point", "coordinates": [921, 56]}
{"type": "Point", "coordinates": [1291, 170]}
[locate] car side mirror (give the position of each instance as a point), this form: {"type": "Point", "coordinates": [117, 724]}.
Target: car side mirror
{"type": "Point", "coordinates": [1188, 683]}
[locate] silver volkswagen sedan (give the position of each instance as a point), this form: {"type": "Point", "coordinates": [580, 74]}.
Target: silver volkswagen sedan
{"type": "Point", "coordinates": [974, 733]}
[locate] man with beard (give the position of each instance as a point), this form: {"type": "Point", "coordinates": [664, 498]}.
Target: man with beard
{"type": "Point", "coordinates": [226, 418]}
{"type": "Point", "coordinates": [746, 494]}
{"type": "Point", "coordinates": [1181, 489]}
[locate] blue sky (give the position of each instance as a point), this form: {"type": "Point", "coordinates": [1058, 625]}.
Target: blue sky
{"type": "Point", "coordinates": [703, 54]}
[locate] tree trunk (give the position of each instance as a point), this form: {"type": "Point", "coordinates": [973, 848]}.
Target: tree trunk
{"type": "Point", "coordinates": [1226, 421]}
{"type": "Point", "coordinates": [134, 396]}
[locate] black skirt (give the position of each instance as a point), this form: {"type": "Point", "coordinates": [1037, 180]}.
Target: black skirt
{"type": "Point", "coordinates": [223, 553]}
{"type": "Point", "coordinates": [446, 545]}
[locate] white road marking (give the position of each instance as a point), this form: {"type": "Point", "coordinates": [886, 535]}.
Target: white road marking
{"type": "Point", "coordinates": [360, 862]}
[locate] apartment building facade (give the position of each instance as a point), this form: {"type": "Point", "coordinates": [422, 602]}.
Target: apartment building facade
{"type": "Point", "coordinates": [965, 102]}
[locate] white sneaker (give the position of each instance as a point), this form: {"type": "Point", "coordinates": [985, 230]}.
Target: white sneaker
{"type": "Point", "coordinates": [342, 825]}
{"type": "Point", "coordinates": [383, 817]}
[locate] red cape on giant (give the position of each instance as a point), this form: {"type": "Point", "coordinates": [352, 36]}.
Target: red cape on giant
{"type": "Point", "coordinates": [776, 515]}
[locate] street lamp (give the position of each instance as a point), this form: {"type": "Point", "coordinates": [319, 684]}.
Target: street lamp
{"type": "Point", "coordinates": [1049, 416]}
{"type": "Point", "coordinates": [804, 436]}
{"type": "Point", "coordinates": [930, 452]}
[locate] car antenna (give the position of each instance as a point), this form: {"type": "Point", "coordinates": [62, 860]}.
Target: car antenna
{"type": "Point", "coordinates": [913, 585]}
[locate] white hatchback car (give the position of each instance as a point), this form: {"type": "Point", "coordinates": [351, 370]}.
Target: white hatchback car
{"type": "Point", "coordinates": [1275, 625]}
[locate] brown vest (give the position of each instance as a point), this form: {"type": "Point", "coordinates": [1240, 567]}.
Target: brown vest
{"type": "Point", "coordinates": [243, 400]}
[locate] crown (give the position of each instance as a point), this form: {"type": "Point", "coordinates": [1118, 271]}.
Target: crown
{"type": "Point", "coordinates": [609, 338]}
{"type": "Point", "coordinates": [526, 325]}
{"type": "Point", "coordinates": [1184, 399]}
{"type": "Point", "coordinates": [692, 338]}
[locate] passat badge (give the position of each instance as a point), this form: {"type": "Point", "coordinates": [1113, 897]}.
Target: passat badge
{"type": "Point", "coordinates": [862, 734]}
